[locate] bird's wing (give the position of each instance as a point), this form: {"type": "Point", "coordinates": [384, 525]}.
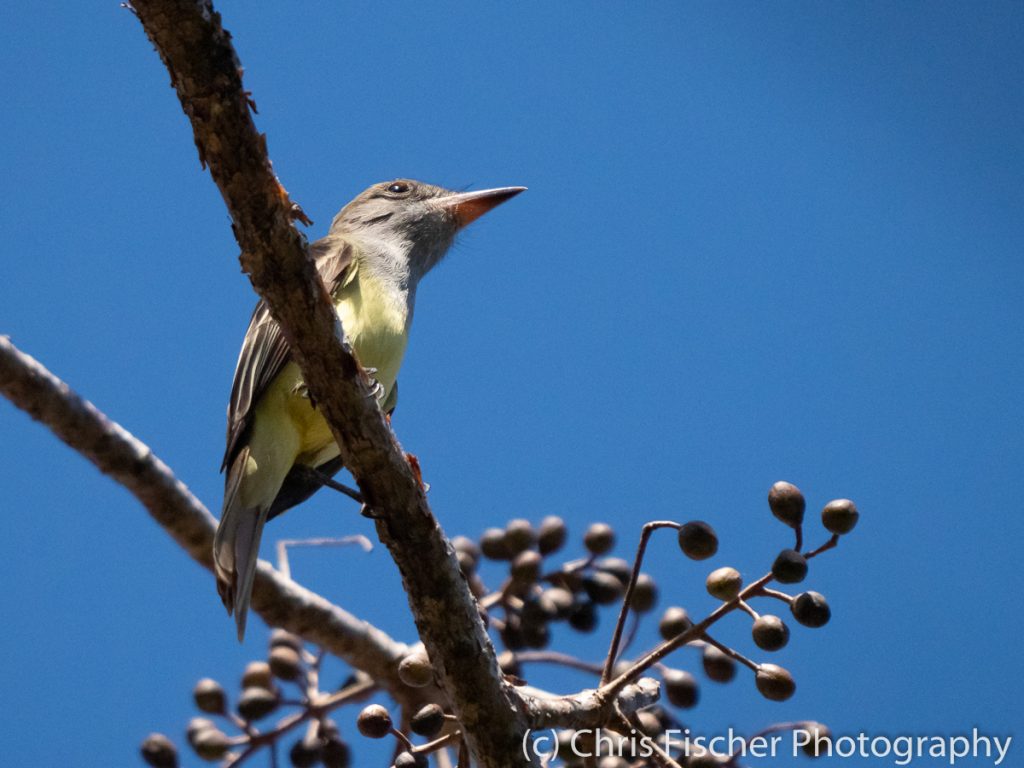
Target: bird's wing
{"type": "Point", "coordinates": [265, 351]}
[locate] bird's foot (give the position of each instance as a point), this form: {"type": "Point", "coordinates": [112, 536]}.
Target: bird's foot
{"type": "Point", "coordinates": [376, 388]}
{"type": "Point", "coordinates": [369, 513]}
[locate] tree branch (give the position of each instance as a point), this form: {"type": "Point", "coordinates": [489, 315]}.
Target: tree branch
{"type": "Point", "coordinates": [206, 74]}
{"type": "Point", "coordinates": [589, 708]}
{"type": "Point", "coordinates": [118, 454]}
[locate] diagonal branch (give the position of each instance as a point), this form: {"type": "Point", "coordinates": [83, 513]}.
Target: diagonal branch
{"type": "Point", "coordinates": [117, 453]}
{"type": "Point", "coordinates": [280, 601]}
{"type": "Point", "coordinates": [205, 72]}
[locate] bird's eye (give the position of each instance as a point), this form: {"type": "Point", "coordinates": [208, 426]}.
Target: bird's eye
{"type": "Point", "coordinates": [398, 188]}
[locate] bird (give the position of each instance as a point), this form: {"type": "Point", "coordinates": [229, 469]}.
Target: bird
{"type": "Point", "coordinates": [279, 448]}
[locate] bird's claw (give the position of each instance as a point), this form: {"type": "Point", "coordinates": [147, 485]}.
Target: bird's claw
{"type": "Point", "coordinates": [368, 512]}
{"type": "Point", "coordinates": [376, 388]}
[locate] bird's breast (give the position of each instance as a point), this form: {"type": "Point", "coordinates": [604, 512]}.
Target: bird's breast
{"type": "Point", "coordinates": [376, 323]}
{"type": "Point", "coordinates": [375, 318]}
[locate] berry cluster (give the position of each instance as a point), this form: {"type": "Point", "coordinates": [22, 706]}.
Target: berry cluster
{"type": "Point", "coordinates": [231, 735]}
{"type": "Point", "coordinates": [536, 593]}
{"type": "Point", "coordinates": [430, 721]}
{"type": "Point", "coordinates": [532, 598]}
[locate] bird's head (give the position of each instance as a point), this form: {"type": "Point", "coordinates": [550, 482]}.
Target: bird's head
{"type": "Point", "coordinates": [420, 220]}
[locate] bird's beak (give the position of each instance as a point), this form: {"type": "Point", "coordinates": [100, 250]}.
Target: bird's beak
{"type": "Point", "coordinates": [470, 206]}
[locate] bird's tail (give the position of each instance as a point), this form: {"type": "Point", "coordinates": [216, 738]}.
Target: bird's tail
{"type": "Point", "coordinates": [236, 545]}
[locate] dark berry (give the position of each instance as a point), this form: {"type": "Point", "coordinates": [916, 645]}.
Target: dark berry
{"type": "Point", "coordinates": [811, 609]}
{"type": "Point", "coordinates": [790, 567]}
{"type": "Point", "coordinates": [698, 541]}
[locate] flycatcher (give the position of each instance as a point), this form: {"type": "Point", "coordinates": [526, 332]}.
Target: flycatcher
{"type": "Point", "coordinates": [279, 448]}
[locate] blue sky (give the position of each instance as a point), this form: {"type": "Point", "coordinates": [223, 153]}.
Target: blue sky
{"type": "Point", "coordinates": [761, 242]}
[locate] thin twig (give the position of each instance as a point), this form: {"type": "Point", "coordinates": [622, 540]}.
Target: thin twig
{"type": "Point", "coordinates": [774, 593]}
{"type": "Point", "coordinates": [338, 541]}
{"type": "Point", "coordinates": [632, 722]}
{"type": "Point", "coordinates": [697, 631]}
{"type": "Point", "coordinates": [613, 650]}
{"type": "Point", "coordinates": [630, 636]}
{"type": "Point", "coordinates": [745, 607]}
{"type": "Point", "coordinates": [438, 743]}
{"type": "Point", "coordinates": [312, 710]}
{"type": "Point", "coordinates": [562, 659]}
{"type": "Point", "coordinates": [830, 544]}
{"type": "Point", "coordinates": [730, 652]}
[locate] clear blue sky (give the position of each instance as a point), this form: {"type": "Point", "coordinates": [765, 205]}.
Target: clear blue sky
{"type": "Point", "coordinates": [761, 242]}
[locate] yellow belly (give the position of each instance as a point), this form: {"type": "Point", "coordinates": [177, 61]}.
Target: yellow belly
{"type": "Point", "coordinates": [287, 429]}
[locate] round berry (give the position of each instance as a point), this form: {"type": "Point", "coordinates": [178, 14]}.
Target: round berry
{"type": "Point", "coordinates": [551, 534]}
{"type": "Point", "coordinates": [428, 721]}
{"type": "Point", "coordinates": [285, 662]}
{"type": "Point", "coordinates": [790, 567]}
{"type": "Point", "coordinates": [602, 588]}
{"type": "Point", "coordinates": [257, 675]}
{"type": "Point", "coordinates": [698, 541]}
{"type": "Point", "coordinates": [617, 567]}
{"type": "Point", "coordinates": [560, 600]}
{"type": "Point", "coordinates": [817, 741]}
{"type": "Point", "coordinates": [159, 752]}
{"type": "Point", "coordinates": [411, 760]}
{"type": "Point", "coordinates": [374, 722]}
{"type": "Point", "coordinates": [645, 594]}
{"type": "Point", "coordinates": [519, 536]}
{"type": "Point", "coordinates": [774, 682]}
{"type": "Point", "coordinates": [335, 753]}
{"type": "Point", "coordinates": [493, 545]}
{"type": "Point", "coordinates": [209, 696]}
{"type": "Point", "coordinates": [305, 753]}
{"type": "Point", "coordinates": [284, 637]}
{"type": "Point", "coordinates": [415, 670]}
{"type": "Point", "coordinates": [211, 744]}
{"type": "Point", "coordinates": [465, 546]}
{"type": "Point", "coordinates": [811, 609]}
{"type": "Point", "coordinates": [724, 583]}
{"type": "Point", "coordinates": [583, 617]}
{"type": "Point", "coordinates": [787, 503]}
{"type": "Point", "coordinates": [599, 538]}
{"type": "Point", "coordinates": [256, 703]}
{"type": "Point", "coordinates": [770, 633]}
{"type": "Point", "coordinates": [197, 724]}
{"type": "Point", "coordinates": [525, 568]}
{"type": "Point", "coordinates": [840, 516]}
{"type": "Point", "coordinates": [718, 666]}
{"type": "Point", "coordinates": [674, 621]}
{"type": "Point", "coordinates": [681, 688]}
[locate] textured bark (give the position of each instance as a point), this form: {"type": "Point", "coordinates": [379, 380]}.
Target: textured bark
{"type": "Point", "coordinates": [205, 72]}
{"type": "Point", "coordinates": [590, 708]}
{"type": "Point", "coordinates": [116, 453]}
